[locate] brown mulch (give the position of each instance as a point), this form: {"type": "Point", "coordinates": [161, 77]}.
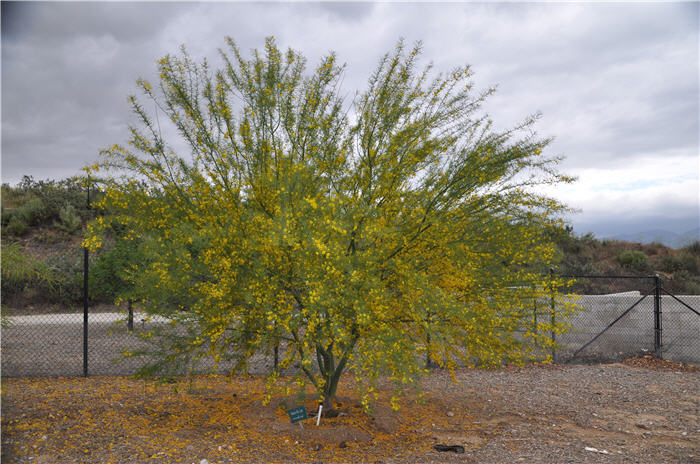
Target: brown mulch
{"type": "Point", "coordinates": [651, 362]}
{"type": "Point", "coordinates": [638, 411]}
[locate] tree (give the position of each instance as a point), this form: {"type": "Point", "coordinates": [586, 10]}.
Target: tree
{"type": "Point", "coordinates": [359, 235]}
{"type": "Point", "coordinates": [111, 275]}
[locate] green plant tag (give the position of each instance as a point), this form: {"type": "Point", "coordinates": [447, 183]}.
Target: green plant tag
{"type": "Point", "coordinates": [297, 414]}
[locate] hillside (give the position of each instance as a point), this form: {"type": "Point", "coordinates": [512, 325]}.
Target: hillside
{"type": "Point", "coordinates": [585, 255]}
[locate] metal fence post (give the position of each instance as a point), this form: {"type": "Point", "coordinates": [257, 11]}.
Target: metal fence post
{"type": "Point", "coordinates": [130, 318]}
{"type": "Point", "coordinates": [657, 316]}
{"type": "Point", "coordinates": [428, 358]}
{"type": "Point", "coordinates": [552, 312]}
{"type": "Point", "coordinates": [85, 297]}
{"type": "Point", "coordinates": [534, 310]}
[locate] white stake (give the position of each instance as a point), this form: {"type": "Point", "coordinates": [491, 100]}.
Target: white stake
{"type": "Point", "coordinates": [318, 418]}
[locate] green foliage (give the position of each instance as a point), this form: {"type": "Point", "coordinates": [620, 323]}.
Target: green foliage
{"type": "Point", "coordinates": [16, 226]}
{"type": "Point", "coordinates": [110, 274]}
{"type": "Point", "coordinates": [68, 267]}
{"type": "Point", "coordinates": [20, 270]}
{"type": "Point", "coordinates": [48, 212]}
{"type": "Point", "coordinates": [69, 221]}
{"type": "Point", "coordinates": [18, 220]}
{"type": "Point", "coordinates": [32, 212]}
{"type": "Point", "coordinates": [634, 260]}
{"type": "Point", "coordinates": [585, 255]}
{"type": "Point", "coordinates": [679, 262]}
{"type": "Point", "coordinates": [45, 202]}
{"type": "Point", "coordinates": [693, 248]}
{"type": "Point", "coordinates": [354, 239]}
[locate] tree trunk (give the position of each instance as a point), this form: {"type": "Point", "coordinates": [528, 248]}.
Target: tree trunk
{"type": "Point", "coordinates": [331, 373]}
{"type": "Point", "coordinates": [130, 320]}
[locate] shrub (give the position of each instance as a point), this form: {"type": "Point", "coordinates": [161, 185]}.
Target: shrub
{"type": "Point", "coordinates": [693, 248]}
{"type": "Point", "coordinates": [20, 270]}
{"type": "Point", "coordinates": [69, 221]}
{"type": "Point", "coordinates": [42, 201]}
{"type": "Point", "coordinates": [16, 226]}
{"type": "Point", "coordinates": [634, 260]}
{"type": "Point", "coordinates": [68, 268]}
{"type": "Point", "coordinates": [33, 212]}
{"type": "Point", "coordinates": [680, 262]}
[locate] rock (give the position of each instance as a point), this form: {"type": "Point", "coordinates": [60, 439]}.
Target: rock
{"type": "Point", "coordinates": [450, 414]}
{"type": "Point", "coordinates": [595, 450]}
{"type": "Point", "coordinates": [454, 448]}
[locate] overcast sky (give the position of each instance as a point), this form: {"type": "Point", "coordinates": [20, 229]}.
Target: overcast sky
{"type": "Point", "coordinates": [617, 84]}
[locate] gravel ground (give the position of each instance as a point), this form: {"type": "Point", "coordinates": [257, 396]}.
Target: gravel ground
{"type": "Point", "coordinates": [644, 411]}
{"type": "Point", "coordinates": [640, 411]}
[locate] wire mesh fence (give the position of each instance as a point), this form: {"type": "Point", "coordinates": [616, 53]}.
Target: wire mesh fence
{"type": "Point", "coordinates": [616, 317]}
{"type": "Point", "coordinates": [680, 320]}
{"type": "Point", "coordinates": [614, 320]}
{"type": "Point", "coordinates": [53, 345]}
{"type": "Point", "coordinates": [625, 316]}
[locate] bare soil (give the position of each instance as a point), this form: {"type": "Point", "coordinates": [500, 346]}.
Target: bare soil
{"type": "Point", "coordinates": [642, 410]}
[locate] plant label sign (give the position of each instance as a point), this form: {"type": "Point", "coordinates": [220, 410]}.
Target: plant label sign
{"type": "Point", "coordinates": [297, 414]}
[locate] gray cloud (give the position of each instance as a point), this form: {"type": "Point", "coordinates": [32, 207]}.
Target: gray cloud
{"type": "Point", "coordinates": [614, 82]}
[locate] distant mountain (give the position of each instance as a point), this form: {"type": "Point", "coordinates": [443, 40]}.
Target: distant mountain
{"type": "Point", "coordinates": [665, 237]}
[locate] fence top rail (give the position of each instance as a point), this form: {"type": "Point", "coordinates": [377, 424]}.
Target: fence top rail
{"type": "Point", "coordinates": [594, 276]}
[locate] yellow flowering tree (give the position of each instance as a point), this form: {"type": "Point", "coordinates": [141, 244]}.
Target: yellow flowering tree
{"type": "Point", "coordinates": [357, 236]}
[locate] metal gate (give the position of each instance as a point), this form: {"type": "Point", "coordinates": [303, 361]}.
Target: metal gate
{"type": "Point", "coordinates": [625, 316]}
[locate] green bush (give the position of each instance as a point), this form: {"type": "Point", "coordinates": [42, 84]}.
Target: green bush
{"type": "Point", "coordinates": [681, 262]}
{"type": "Point", "coordinates": [33, 212]}
{"type": "Point", "coordinates": [634, 260]}
{"type": "Point", "coordinates": [16, 226]}
{"type": "Point", "coordinates": [69, 221]}
{"type": "Point", "coordinates": [109, 275]}
{"type": "Point", "coordinates": [20, 271]}
{"type": "Point", "coordinates": [70, 266]}
{"type": "Point", "coordinates": [42, 201]}
{"type": "Point", "coordinates": [693, 248]}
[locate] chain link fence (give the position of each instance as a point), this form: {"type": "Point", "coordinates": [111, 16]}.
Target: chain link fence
{"type": "Point", "coordinates": [626, 316]}
{"type": "Point", "coordinates": [616, 317]}
{"type": "Point", "coordinates": [53, 345]}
